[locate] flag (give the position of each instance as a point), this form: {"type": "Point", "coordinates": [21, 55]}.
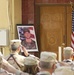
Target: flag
{"type": "Point", "coordinates": [72, 34]}
{"type": "Point", "coordinates": [21, 32]}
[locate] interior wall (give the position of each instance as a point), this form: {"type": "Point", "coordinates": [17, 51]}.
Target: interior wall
{"type": "Point", "coordinates": [53, 1]}
{"type": "Point", "coordinates": [17, 15]}
{"type": "Point", "coordinates": [28, 11]}
{"type": "Point", "coordinates": [4, 14]}
{"type": "Point", "coordinates": [36, 21]}
{"type": "Point", "coordinates": [4, 19]}
{"type": "Point", "coordinates": [10, 15]}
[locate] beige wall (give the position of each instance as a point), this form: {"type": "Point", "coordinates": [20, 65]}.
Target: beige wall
{"type": "Point", "coordinates": [3, 14]}
{"type": "Point", "coordinates": [10, 15]}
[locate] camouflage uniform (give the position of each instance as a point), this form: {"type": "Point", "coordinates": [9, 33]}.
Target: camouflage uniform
{"type": "Point", "coordinates": [17, 61]}
{"type": "Point", "coordinates": [27, 45]}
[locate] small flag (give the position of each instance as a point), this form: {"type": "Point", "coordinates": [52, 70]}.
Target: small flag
{"type": "Point", "coordinates": [72, 34]}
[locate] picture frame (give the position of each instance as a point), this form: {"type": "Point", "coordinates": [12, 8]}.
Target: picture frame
{"type": "Point", "coordinates": [26, 33]}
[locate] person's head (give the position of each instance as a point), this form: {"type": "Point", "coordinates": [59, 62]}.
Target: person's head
{"type": "Point", "coordinates": [47, 61]}
{"type": "Point", "coordinates": [15, 45]}
{"type": "Point", "coordinates": [31, 65]}
{"type": "Point", "coordinates": [26, 33]}
{"type": "Point", "coordinates": [67, 52]}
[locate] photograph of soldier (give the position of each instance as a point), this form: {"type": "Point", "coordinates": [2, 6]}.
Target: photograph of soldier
{"type": "Point", "coordinates": [28, 38]}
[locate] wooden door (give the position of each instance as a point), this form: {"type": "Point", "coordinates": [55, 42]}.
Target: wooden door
{"type": "Point", "coordinates": [52, 27]}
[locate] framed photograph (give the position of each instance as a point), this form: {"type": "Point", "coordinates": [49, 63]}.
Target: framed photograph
{"type": "Point", "coordinates": [26, 33]}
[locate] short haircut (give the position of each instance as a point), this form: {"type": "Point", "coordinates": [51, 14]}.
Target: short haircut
{"type": "Point", "coordinates": [67, 52]}
{"type": "Point", "coordinates": [14, 47]}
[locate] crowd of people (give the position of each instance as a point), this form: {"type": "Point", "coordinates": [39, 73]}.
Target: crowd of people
{"type": "Point", "coordinates": [47, 64]}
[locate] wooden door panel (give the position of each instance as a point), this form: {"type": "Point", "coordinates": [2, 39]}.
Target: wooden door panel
{"type": "Point", "coordinates": [52, 27]}
{"type": "Point", "coordinates": [69, 25]}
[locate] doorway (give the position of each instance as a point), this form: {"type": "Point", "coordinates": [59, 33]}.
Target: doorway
{"type": "Point", "coordinates": [54, 26]}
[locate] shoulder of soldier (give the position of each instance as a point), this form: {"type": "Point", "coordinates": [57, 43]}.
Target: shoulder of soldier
{"type": "Point", "coordinates": [19, 56]}
{"type": "Point", "coordinates": [6, 57]}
